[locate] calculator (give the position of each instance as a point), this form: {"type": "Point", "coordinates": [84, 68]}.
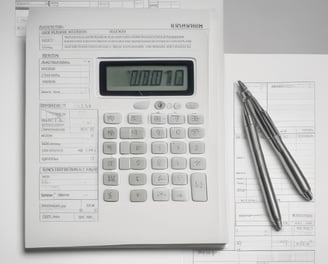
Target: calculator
{"type": "Point", "coordinates": [129, 114]}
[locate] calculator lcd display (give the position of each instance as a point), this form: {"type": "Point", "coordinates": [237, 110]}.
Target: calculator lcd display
{"type": "Point", "coordinates": [146, 77]}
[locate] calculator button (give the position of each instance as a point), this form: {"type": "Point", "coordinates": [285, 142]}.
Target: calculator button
{"type": "Point", "coordinates": [111, 196]}
{"type": "Point", "coordinates": [138, 195]}
{"type": "Point", "coordinates": [109, 164]}
{"type": "Point", "coordinates": [179, 178]}
{"type": "Point", "coordinates": [195, 119]}
{"type": "Point", "coordinates": [110, 178]}
{"type": "Point", "coordinates": [178, 147]}
{"type": "Point", "coordinates": [159, 105]}
{"type": "Point", "coordinates": [137, 178]}
{"type": "Point", "coordinates": [135, 119]}
{"type": "Point", "coordinates": [124, 163]}
{"type": "Point", "coordinates": [159, 147]}
{"type": "Point", "coordinates": [158, 119]}
{"type": "Point", "coordinates": [132, 132]}
{"type": "Point", "coordinates": [124, 147]}
{"type": "Point", "coordinates": [179, 195]}
{"type": "Point", "coordinates": [178, 163]}
{"type": "Point", "coordinates": [138, 148]}
{"type": "Point", "coordinates": [161, 194]}
{"type": "Point", "coordinates": [196, 132]}
{"type": "Point", "coordinates": [198, 187]}
{"type": "Point", "coordinates": [159, 163]}
{"type": "Point", "coordinates": [110, 132]}
{"type": "Point", "coordinates": [177, 106]}
{"type": "Point", "coordinates": [197, 163]}
{"type": "Point", "coordinates": [160, 179]}
{"type": "Point", "coordinates": [110, 147]}
{"type": "Point", "coordinates": [112, 118]}
{"type": "Point", "coordinates": [138, 163]}
{"type": "Point", "coordinates": [192, 105]}
{"type": "Point", "coordinates": [177, 132]}
{"type": "Point", "coordinates": [176, 119]}
{"type": "Point", "coordinates": [196, 147]}
{"type": "Point", "coordinates": [158, 132]}
{"type": "Point", "coordinates": [141, 105]}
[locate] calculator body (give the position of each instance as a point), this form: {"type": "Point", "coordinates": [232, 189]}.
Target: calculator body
{"type": "Point", "coordinates": [156, 120]}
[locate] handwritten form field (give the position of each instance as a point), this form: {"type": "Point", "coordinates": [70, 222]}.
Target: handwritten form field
{"type": "Point", "coordinates": [291, 105]}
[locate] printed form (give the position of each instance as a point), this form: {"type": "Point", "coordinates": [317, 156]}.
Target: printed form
{"type": "Point", "coordinates": [252, 239]}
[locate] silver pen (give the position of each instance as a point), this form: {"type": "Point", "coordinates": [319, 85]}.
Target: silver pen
{"type": "Point", "coordinates": [261, 170]}
{"type": "Point", "coordinates": [268, 128]}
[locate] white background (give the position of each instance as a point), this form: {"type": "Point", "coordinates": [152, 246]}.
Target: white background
{"type": "Point", "coordinates": [251, 26]}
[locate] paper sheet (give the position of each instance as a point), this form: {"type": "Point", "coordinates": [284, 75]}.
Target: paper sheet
{"type": "Point", "coordinates": [290, 99]}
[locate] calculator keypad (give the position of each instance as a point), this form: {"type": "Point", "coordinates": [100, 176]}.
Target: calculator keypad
{"type": "Point", "coordinates": [165, 160]}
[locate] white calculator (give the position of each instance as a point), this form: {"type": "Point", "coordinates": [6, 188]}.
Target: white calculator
{"type": "Point", "coordinates": [129, 110]}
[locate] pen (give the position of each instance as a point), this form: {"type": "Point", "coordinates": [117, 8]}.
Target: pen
{"type": "Point", "coordinates": [269, 129]}
{"type": "Point", "coordinates": [261, 170]}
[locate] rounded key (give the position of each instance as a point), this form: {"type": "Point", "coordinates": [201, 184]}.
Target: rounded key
{"type": "Point", "coordinates": [138, 163]}
{"type": "Point", "coordinates": [161, 194]}
{"type": "Point", "coordinates": [196, 147]}
{"type": "Point", "coordinates": [110, 147]}
{"type": "Point", "coordinates": [137, 179]}
{"type": "Point", "coordinates": [110, 132]}
{"type": "Point", "coordinates": [179, 178]}
{"type": "Point", "coordinates": [192, 105]}
{"type": "Point", "coordinates": [159, 147]}
{"type": "Point", "coordinates": [158, 119]}
{"type": "Point", "coordinates": [111, 195]}
{"type": "Point", "coordinates": [195, 119]}
{"type": "Point", "coordinates": [177, 132]}
{"type": "Point", "coordinates": [138, 147]}
{"type": "Point", "coordinates": [178, 163]}
{"type": "Point", "coordinates": [134, 118]}
{"type": "Point", "coordinates": [196, 132]}
{"type": "Point", "coordinates": [138, 195]}
{"type": "Point", "coordinates": [160, 179]}
{"type": "Point", "coordinates": [178, 147]}
{"type": "Point", "coordinates": [179, 195]}
{"type": "Point", "coordinates": [141, 105]}
{"type": "Point", "coordinates": [177, 106]}
{"type": "Point", "coordinates": [159, 163]}
{"type": "Point", "coordinates": [112, 118]}
{"type": "Point", "coordinates": [197, 163]}
{"type": "Point", "coordinates": [110, 178]}
{"type": "Point", "coordinates": [109, 164]}
{"type": "Point", "coordinates": [158, 132]}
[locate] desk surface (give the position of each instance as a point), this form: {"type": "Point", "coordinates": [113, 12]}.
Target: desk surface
{"type": "Point", "coordinates": [251, 26]}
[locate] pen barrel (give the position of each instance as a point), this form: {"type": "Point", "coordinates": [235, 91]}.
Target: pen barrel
{"type": "Point", "coordinates": [263, 176]}
{"type": "Point", "coordinates": [292, 169]}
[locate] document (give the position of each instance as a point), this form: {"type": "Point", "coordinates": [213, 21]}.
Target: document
{"type": "Point", "coordinates": [290, 100]}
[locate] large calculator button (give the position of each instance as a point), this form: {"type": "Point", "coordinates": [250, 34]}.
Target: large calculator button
{"type": "Point", "coordinates": [161, 194]}
{"type": "Point", "coordinates": [179, 178]}
{"type": "Point", "coordinates": [192, 105]}
{"type": "Point", "coordinates": [158, 132]}
{"type": "Point", "coordinates": [196, 147]}
{"type": "Point", "coordinates": [176, 119]}
{"type": "Point", "coordinates": [198, 187]}
{"type": "Point", "coordinates": [159, 147]}
{"type": "Point", "coordinates": [112, 118]}
{"type": "Point", "coordinates": [110, 178]}
{"type": "Point", "coordinates": [138, 147]}
{"type": "Point", "coordinates": [195, 119]}
{"type": "Point", "coordinates": [124, 147]}
{"type": "Point", "coordinates": [137, 178]}
{"type": "Point", "coordinates": [196, 132]}
{"type": "Point", "coordinates": [178, 147]}
{"type": "Point", "coordinates": [135, 118]}
{"type": "Point", "coordinates": [132, 132]}
{"type": "Point", "coordinates": [158, 119]}
{"type": "Point", "coordinates": [138, 163]}
{"type": "Point", "coordinates": [178, 163]}
{"type": "Point", "coordinates": [109, 164]}
{"type": "Point", "coordinates": [160, 179]}
{"type": "Point", "coordinates": [124, 163]}
{"type": "Point", "coordinates": [110, 147]}
{"type": "Point", "coordinates": [111, 196]}
{"type": "Point", "coordinates": [197, 163]}
{"type": "Point", "coordinates": [138, 195]}
{"type": "Point", "coordinates": [159, 163]}
{"type": "Point", "coordinates": [177, 132]}
{"type": "Point", "coordinates": [179, 195]}
{"type": "Point", "coordinates": [110, 132]}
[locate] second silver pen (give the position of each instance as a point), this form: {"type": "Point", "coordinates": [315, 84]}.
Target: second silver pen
{"type": "Point", "coordinates": [261, 170]}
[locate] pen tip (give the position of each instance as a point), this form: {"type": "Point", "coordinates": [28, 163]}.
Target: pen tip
{"type": "Point", "coordinates": [277, 225]}
{"type": "Point", "coordinates": [308, 195]}
{"type": "Point", "coordinates": [242, 86]}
